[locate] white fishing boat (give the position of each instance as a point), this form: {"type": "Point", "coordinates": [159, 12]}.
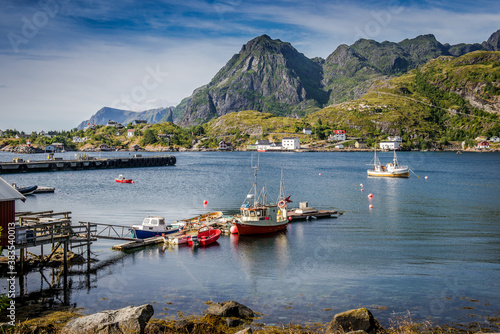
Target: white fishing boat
{"type": "Point", "coordinates": [392, 169]}
{"type": "Point", "coordinates": [153, 226]}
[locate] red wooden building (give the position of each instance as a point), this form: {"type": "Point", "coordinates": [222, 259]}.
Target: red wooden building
{"type": "Point", "coordinates": [8, 197]}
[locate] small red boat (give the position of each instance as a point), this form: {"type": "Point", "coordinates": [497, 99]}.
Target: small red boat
{"type": "Point", "coordinates": [121, 179]}
{"type": "Point", "coordinates": [206, 236]}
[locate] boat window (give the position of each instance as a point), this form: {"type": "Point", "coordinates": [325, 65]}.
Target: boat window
{"type": "Point", "coordinates": [258, 213]}
{"type": "Point", "coordinates": [252, 213]}
{"type": "Point", "coordinates": [162, 222]}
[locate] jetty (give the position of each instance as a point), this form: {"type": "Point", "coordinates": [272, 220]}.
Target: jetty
{"type": "Point", "coordinates": [305, 212]}
{"type": "Point", "coordinates": [83, 162]}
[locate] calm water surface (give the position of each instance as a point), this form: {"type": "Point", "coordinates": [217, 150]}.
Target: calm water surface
{"type": "Point", "coordinates": [428, 246]}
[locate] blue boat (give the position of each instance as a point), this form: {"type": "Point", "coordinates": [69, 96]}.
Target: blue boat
{"type": "Point", "coordinates": [152, 227]}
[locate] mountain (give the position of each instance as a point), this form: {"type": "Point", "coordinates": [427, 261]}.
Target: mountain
{"type": "Point", "coordinates": [271, 76]}
{"type": "Point", "coordinates": [267, 75]}
{"type": "Point", "coordinates": [126, 116]}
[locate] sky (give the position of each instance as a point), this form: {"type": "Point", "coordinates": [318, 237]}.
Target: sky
{"type": "Point", "coordinates": [63, 60]}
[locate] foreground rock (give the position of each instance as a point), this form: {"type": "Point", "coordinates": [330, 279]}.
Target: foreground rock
{"type": "Point", "coordinates": [126, 320]}
{"type": "Point", "coordinates": [360, 321]}
{"type": "Point", "coordinates": [230, 309]}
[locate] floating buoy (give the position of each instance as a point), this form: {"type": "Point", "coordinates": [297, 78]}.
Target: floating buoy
{"type": "Point", "coordinates": [361, 185]}
{"type": "Point", "coordinates": [290, 218]}
{"type": "Point", "coordinates": [205, 202]}
{"type": "Point", "coordinates": [426, 177]}
{"type": "Point", "coordinates": [319, 173]}
{"type": "Point", "coordinates": [361, 190]}
{"type": "Point", "coordinates": [371, 206]}
{"type": "Point", "coordinates": [370, 195]}
{"type": "Point", "coordinates": [133, 181]}
{"type": "Point", "coordinates": [233, 229]}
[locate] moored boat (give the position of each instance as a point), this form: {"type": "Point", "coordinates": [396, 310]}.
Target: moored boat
{"type": "Point", "coordinates": [392, 169]}
{"type": "Point", "coordinates": [29, 190]}
{"type": "Point", "coordinates": [121, 179]}
{"type": "Point", "coordinates": [153, 226]}
{"type": "Point", "coordinates": [257, 217]}
{"type": "Point", "coordinates": [206, 236]}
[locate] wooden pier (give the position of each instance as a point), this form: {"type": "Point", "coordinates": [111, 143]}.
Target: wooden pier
{"type": "Point", "coordinates": [305, 212]}
{"type": "Point", "coordinates": [83, 163]}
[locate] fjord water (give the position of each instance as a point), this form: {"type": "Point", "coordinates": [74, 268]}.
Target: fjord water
{"type": "Point", "coordinates": [428, 246]}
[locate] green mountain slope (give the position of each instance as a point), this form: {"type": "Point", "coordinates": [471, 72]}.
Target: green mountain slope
{"type": "Point", "coordinates": [271, 76]}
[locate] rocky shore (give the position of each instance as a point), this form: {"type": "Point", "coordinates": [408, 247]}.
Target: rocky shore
{"type": "Point", "coordinates": [227, 317]}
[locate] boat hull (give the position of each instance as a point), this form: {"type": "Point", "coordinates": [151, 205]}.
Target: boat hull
{"type": "Point", "coordinates": [402, 174]}
{"type": "Point", "coordinates": [124, 180]}
{"type": "Point", "coordinates": [204, 238]}
{"type": "Point", "coordinates": [249, 229]}
{"type": "Point", "coordinates": [141, 234]}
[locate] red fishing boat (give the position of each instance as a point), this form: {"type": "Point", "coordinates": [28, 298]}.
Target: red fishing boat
{"type": "Point", "coordinates": [206, 236]}
{"type": "Point", "coordinates": [257, 217]}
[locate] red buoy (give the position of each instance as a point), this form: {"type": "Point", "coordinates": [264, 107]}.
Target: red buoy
{"type": "Point", "coordinates": [205, 202]}
{"type": "Point", "coordinates": [370, 195]}
{"type": "Point", "coordinates": [371, 206]}
{"type": "Point", "coordinates": [233, 229]}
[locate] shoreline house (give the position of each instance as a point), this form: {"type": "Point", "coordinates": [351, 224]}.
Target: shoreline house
{"type": "Point", "coordinates": [130, 133]}
{"type": "Point", "coordinates": [222, 145]}
{"type": "Point", "coordinates": [389, 145]}
{"type": "Point", "coordinates": [337, 135]}
{"type": "Point", "coordinates": [290, 143]}
{"type": "Point", "coordinates": [306, 131]}
{"type": "Point", "coordinates": [483, 144]}
{"type": "Point", "coordinates": [8, 197]}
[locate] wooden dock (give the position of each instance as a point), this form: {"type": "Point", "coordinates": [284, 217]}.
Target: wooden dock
{"type": "Point", "coordinates": [305, 212]}
{"type": "Point", "coordinates": [83, 163]}
{"type": "Point", "coordinates": [313, 214]}
{"type": "Point", "coordinates": [138, 243]}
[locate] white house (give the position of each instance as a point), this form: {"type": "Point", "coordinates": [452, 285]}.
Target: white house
{"type": "Point", "coordinates": [494, 139]}
{"type": "Point", "coordinates": [389, 145]}
{"type": "Point", "coordinates": [339, 146]}
{"type": "Point", "coordinates": [130, 132]}
{"type": "Point", "coordinates": [290, 143]}
{"type": "Point", "coordinates": [77, 139]}
{"type": "Point", "coordinates": [307, 131]}
{"type": "Point", "coordinates": [337, 135]}
{"type": "Point", "coordinates": [89, 126]}
{"type": "Point", "coordinates": [395, 138]}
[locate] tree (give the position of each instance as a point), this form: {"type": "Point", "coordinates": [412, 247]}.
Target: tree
{"type": "Point", "coordinates": [149, 138]}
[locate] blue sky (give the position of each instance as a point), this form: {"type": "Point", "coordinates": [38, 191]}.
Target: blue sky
{"type": "Point", "coordinates": [62, 60]}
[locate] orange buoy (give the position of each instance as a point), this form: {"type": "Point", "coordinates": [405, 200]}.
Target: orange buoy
{"type": "Point", "coordinates": [233, 229]}
{"type": "Point", "coordinates": [371, 206]}
{"type": "Point", "coordinates": [370, 195]}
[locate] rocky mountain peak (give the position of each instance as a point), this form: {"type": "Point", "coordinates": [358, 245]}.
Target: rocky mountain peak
{"type": "Point", "coordinates": [494, 41]}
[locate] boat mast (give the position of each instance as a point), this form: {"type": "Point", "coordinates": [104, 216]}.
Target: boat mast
{"type": "Point", "coordinates": [281, 195]}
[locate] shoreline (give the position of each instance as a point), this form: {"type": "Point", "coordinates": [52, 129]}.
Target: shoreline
{"type": "Point", "coordinates": [220, 318]}
{"type": "Point", "coordinates": [23, 149]}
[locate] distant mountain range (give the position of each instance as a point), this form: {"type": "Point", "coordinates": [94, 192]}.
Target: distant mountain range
{"type": "Point", "coordinates": [126, 116]}
{"type": "Point", "coordinates": [272, 76]}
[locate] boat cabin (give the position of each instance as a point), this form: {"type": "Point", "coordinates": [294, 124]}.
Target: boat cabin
{"type": "Point", "coordinates": [261, 212]}
{"type": "Point", "coordinates": [153, 221]}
